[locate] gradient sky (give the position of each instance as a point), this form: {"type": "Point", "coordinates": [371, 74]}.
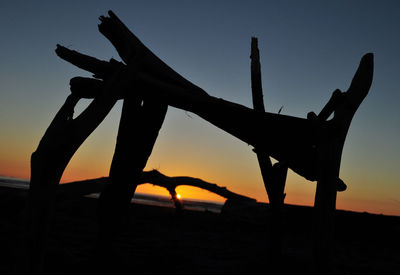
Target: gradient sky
{"type": "Point", "coordinates": [308, 49]}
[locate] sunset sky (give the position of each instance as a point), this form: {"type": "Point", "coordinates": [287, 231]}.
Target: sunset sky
{"type": "Point", "coordinates": [308, 49]}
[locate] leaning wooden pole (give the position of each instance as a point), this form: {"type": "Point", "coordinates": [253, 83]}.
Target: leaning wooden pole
{"type": "Point", "coordinates": [57, 146]}
{"type": "Point", "coordinates": [138, 130]}
{"type": "Point", "coordinates": [141, 120]}
{"type": "Point", "coordinates": [274, 177]}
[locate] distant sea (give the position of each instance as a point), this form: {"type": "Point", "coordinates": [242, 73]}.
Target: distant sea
{"type": "Point", "coordinates": [139, 198]}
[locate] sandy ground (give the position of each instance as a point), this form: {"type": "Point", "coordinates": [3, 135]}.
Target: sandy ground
{"type": "Point", "coordinates": [157, 241]}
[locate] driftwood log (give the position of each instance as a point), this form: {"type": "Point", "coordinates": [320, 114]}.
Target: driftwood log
{"type": "Point", "coordinates": [86, 187]}
{"type": "Point", "coordinates": [59, 143]}
{"type": "Point", "coordinates": [141, 120]}
{"type": "Point", "coordinates": [274, 176]}
{"type": "Point", "coordinates": [343, 106]}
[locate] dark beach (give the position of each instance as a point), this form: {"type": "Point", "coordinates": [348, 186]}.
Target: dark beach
{"type": "Point", "coordinates": [158, 241]}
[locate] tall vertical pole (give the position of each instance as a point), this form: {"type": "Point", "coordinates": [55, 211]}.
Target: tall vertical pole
{"type": "Point", "coordinates": [274, 176]}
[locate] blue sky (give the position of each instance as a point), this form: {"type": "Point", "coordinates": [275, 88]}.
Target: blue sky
{"type": "Point", "coordinates": [308, 49]}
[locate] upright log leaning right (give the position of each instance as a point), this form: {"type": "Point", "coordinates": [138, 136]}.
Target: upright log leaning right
{"type": "Point", "coordinates": [141, 120]}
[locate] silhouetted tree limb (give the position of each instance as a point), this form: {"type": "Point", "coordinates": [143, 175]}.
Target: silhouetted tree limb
{"type": "Point", "coordinates": [343, 106]}
{"type": "Point", "coordinates": [256, 83]}
{"type": "Point", "coordinates": [86, 187]}
{"type": "Point", "coordinates": [59, 143]}
{"type": "Point", "coordinates": [274, 176]}
{"type": "Point", "coordinates": [100, 68]}
{"type": "Point", "coordinates": [138, 131]}
{"type": "Point", "coordinates": [136, 54]}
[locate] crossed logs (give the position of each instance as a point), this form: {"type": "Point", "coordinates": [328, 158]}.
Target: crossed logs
{"type": "Point", "coordinates": [311, 147]}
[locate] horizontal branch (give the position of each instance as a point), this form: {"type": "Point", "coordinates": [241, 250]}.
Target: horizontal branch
{"type": "Point", "coordinates": [85, 187]}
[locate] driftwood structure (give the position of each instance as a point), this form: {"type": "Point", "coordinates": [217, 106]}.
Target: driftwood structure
{"type": "Point", "coordinates": [311, 146]}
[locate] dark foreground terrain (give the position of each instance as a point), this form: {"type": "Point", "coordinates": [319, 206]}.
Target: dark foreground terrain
{"type": "Point", "coordinates": [158, 241]}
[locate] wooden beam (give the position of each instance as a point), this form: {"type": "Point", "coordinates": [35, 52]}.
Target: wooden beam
{"type": "Point", "coordinates": [141, 120]}
{"type": "Point", "coordinates": [137, 134]}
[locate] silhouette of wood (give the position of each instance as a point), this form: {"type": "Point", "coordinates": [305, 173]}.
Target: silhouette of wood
{"type": "Point", "coordinates": [172, 88]}
{"type": "Point", "coordinates": [252, 127]}
{"type": "Point", "coordinates": [234, 118]}
{"type": "Point", "coordinates": [59, 143]}
{"type": "Point", "coordinates": [86, 187]}
{"type": "Point", "coordinates": [141, 120]}
{"type": "Point", "coordinates": [256, 83]}
{"type": "Point", "coordinates": [138, 131]}
{"type": "Point", "coordinates": [311, 147]}
{"type": "Point", "coordinates": [274, 177]}
{"type": "Point", "coordinates": [302, 144]}
{"type": "Point", "coordinates": [134, 53]}
{"type": "Point", "coordinates": [343, 106]}
{"type": "Point", "coordinates": [274, 188]}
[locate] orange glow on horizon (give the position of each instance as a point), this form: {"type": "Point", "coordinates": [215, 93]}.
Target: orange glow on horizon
{"type": "Point", "coordinates": [186, 192]}
{"type": "Point", "coordinates": [360, 197]}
